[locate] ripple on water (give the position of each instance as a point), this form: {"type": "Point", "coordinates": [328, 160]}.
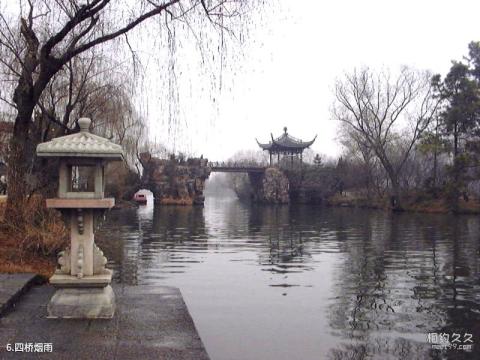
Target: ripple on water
{"type": "Point", "coordinates": [306, 282]}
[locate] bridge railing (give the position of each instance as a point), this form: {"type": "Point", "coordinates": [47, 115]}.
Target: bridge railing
{"type": "Point", "coordinates": [236, 164]}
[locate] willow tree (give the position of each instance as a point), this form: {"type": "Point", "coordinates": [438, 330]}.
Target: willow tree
{"type": "Point", "coordinates": [383, 111]}
{"type": "Point", "coordinates": [47, 35]}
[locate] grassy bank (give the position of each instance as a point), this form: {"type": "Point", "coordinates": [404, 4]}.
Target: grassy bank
{"type": "Point", "coordinates": [410, 203]}
{"type": "Point", "coordinates": [355, 200]}
{"type": "Point", "coordinates": [32, 247]}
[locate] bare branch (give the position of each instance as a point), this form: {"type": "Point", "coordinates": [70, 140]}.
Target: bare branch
{"type": "Point", "coordinates": [159, 9]}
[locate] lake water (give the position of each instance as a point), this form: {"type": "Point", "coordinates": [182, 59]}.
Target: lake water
{"type": "Point", "coordinates": [303, 282]}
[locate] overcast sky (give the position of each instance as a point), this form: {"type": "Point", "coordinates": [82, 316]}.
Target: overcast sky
{"type": "Point", "coordinates": [291, 60]}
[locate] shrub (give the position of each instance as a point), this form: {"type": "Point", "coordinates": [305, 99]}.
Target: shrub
{"type": "Point", "coordinates": [42, 231]}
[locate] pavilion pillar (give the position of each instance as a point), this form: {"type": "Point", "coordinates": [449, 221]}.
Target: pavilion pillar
{"type": "Point", "coordinates": [270, 157]}
{"type": "Point", "coordinates": [278, 159]}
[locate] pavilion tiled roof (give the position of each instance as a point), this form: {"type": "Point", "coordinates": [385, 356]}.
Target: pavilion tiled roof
{"type": "Point", "coordinates": [286, 142]}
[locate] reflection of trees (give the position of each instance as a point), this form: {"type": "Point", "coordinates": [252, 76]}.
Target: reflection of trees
{"type": "Point", "coordinates": [459, 283]}
{"type": "Point", "coordinates": [363, 303]}
{"type": "Point", "coordinates": [141, 239]}
{"type": "Point", "coordinates": [385, 348]}
{"type": "Point", "coordinates": [279, 241]}
{"type": "Point", "coordinates": [119, 238]}
{"type": "Point", "coordinates": [228, 220]}
{"type": "Point", "coordinates": [179, 223]}
{"type": "Point", "coordinates": [403, 275]}
{"type": "Point", "coordinates": [177, 233]}
{"type": "Point", "coordinates": [285, 249]}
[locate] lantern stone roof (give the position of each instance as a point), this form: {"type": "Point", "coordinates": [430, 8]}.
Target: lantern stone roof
{"type": "Point", "coordinates": [286, 142]}
{"type": "Point", "coordinates": [81, 144]}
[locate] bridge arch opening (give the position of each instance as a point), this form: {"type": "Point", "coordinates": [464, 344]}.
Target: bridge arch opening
{"type": "Point", "coordinates": [219, 185]}
{"type": "Point", "coordinates": [143, 196]}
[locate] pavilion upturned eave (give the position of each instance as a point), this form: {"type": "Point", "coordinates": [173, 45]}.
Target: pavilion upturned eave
{"type": "Point", "coordinates": [286, 144]}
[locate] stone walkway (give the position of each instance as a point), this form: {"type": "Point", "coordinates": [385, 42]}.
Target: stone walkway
{"type": "Point", "coordinates": [12, 286]}
{"type": "Point", "coordinates": [149, 323]}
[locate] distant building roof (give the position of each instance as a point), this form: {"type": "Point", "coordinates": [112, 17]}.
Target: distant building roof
{"type": "Point", "coordinates": [286, 142]}
{"type": "Point", "coordinates": [82, 144]}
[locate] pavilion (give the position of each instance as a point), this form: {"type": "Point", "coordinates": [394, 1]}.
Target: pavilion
{"type": "Point", "coordinates": [286, 145]}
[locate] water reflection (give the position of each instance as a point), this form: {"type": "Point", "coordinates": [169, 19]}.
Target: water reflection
{"type": "Point", "coordinates": [303, 282]}
{"type": "Point", "coordinates": [404, 277]}
{"type": "Point", "coordinates": [179, 223]}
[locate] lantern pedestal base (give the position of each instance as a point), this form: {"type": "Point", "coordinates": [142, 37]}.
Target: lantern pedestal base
{"type": "Point", "coordinates": [68, 281]}
{"type": "Point", "coordinates": [82, 303]}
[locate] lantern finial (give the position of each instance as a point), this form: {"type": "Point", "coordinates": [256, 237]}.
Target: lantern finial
{"type": "Point", "coordinates": [84, 124]}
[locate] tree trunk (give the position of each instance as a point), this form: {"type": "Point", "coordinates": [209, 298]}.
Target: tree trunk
{"type": "Point", "coordinates": [455, 189]}
{"type": "Point", "coordinates": [435, 162]}
{"type": "Point", "coordinates": [395, 193]}
{"type": "Point", "coordinates": [19, 159]}
{"type": "Point", "coordinates": [395, 196]}
{"type": "Point", "coordinates": [22, 152]}
{"type": "Point", "coordinates": [18, 164]}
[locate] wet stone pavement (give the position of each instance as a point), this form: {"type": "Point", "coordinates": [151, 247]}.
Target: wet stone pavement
{"type": "Point", "coordinates": [149, 323]}
{"type": "Point", "coordinates": [12, 286]}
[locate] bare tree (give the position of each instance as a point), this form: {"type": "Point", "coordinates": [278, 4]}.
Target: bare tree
{"type": "Point", "coordinates": [53, 33]}
{"type": "Point", "coordinates": [364, 172]}
{"type": "Point", "coordinates": [379, 109]}
{"type": "Point", "coordinates": [81, 88]}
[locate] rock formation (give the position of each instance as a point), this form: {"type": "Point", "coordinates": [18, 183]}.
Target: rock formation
{"type": "Point", "coordinates": [175, 181]}
{"type": "Point", "coordinates": [270, 187]}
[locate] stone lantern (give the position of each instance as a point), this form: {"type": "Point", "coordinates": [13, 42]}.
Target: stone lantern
{"type": "Point", "coordinates": [82, 282]}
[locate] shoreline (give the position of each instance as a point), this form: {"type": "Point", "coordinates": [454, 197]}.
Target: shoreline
{"type": "Point", "coordinates": [410, 205]}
